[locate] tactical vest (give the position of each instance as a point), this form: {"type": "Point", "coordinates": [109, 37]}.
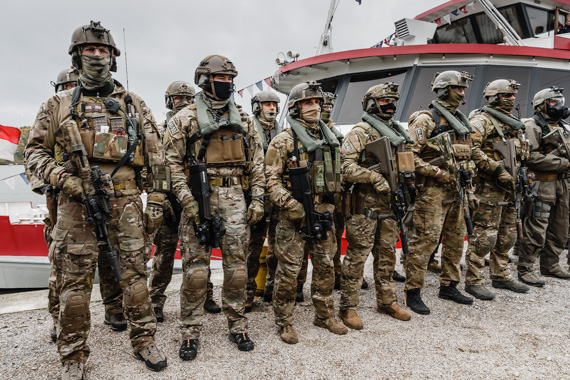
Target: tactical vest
{"type": "Point", "coordinates": [105, 135]}
{"type": "Point", "coordinates": [324, 166]}
{"type": "Point", "coordinates": [462, 144]}
{"type": "Point", "coordinates": [497, 135]}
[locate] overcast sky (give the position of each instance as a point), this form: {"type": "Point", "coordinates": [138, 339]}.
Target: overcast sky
{"type": "Point", "coordinates": [167, 39]}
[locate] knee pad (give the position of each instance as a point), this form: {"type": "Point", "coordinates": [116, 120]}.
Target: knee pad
{"type": "Point", "coordinates": [138, 292]}
{"type": "Point", "coordinates": [76, 305]}
{"type": "Point", "coordinates": [237, 279]}
{"type": "Point", "coordinates": [197, 278]}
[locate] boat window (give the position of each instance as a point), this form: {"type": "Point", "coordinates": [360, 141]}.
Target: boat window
{"type": "Point", "coordinates": [351, 109]}
{"type": "Point", "coordinates": [421, 90]}
{"type": "Point", "coordinates": [521, 75]}
{"type": "Point", "coordinates": [489, 32]}
{"type": "Point", "coordinates": [458, 32]}
{"type": "Point", "coordinates": [542, 21]}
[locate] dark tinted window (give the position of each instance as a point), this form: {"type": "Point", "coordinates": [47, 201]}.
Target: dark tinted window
{"type": "Point", "coordinates": [458, 32]}
{"type": "Point", "coordinates": [351, 110]}
{"type": "Point", "coordinates": [521, 75]}
{"type": "Point", "coordinates": [421, 90]}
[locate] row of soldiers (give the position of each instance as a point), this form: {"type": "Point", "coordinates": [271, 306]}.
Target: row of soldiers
{"type": "Point", "coordinates": [217, 178]}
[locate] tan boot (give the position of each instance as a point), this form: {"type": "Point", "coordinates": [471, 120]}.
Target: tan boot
{"type": "Point", "coordinates": [288, 335]}
{"type": "Point", "coordinates": [331, 324]}
{"type": "Point", "coordinates": [395, 311]}
{"type": "Point", "coordinates": [434, 267]}
{"type": "Point", "coordinates": [351, 319]}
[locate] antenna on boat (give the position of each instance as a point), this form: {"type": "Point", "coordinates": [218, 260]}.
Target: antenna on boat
{"type": "Point", "coordinates": [325, 43]}
{"type": "Point", "coordinates": [126, 64]}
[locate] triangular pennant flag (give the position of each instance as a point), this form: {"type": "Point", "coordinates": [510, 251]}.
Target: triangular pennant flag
{"type": "Point", "coordinates": [472, 5]}
{"type": "Point", "coordinates": [250, 90]}
{"type": "Point", "coordinates": [463, 9]}
{"type": "Point", "coordinates": [23, 175]}
{"type": "Point", "coordinates": [447, 19]}
{"type": "Point", "coordinates": [268, 81]}
{"type": "Point", "coordinates": [240, 92]}
{"type": "Point", "coordinates": [259, 85]}
{"type": "Point", "coordinates": [438, 21]}
{"type": "Point", "coordinates": [455, 12]}
{"type": "Point", "coordinates": [10, 182]}
{"type": "Point", "coordinates": [9, 138]}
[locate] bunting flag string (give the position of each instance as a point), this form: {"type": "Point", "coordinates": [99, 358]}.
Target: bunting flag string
{"type": "Point", "coordinates": [463, 9]}
{"type": "Point", "coordinates": [268, 82]}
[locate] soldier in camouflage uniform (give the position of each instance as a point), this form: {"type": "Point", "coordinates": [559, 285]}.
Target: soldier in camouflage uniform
{"type": "Point", "coordinates": [74, 246]}
{"type": "Point", "coordinates": [265, 107]}
{"type": "Point", "coordinates": [438, 208]}
{"type": "Point", "coordinates": [495, 221]}
{"type": "Point", "coordinates": [546, 222]}
{"type": "Point", "coordinates": [213, 132]}
{"type": "Point", "coordinates": [365, 233]}
{"type": "Point", "coordinates": [309, 143]}
{"type": "Point", "coordinates": [179, 95]}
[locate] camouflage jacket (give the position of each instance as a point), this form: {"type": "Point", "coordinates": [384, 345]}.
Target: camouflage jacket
{"type": "Point", "coordinates": [47, 142]}
{"type": "Point", "coordinates": [484, 137]}
{"type": "Point", "coordinates": [37, 184]}
{"type": "Point", "coordinates": [183, 125]}
{"type": "Point", "coordinates": [539, 161]}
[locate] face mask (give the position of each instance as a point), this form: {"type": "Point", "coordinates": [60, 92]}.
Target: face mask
{"type": "Point", "coordinates": [311, 114]}
{"type": "Point", "coordinates": [326, 116]}
{"type": "Point", "coordinates": [454, 98]}
{"type": "Point", "coordinates": [268, 115]}
{"type": "Point", "coordinates": [384, 110]}
{"type": "Point", "coordinates": [506, 105]}
{"type": "Point", "coordinates": [223, 89]}
{"type": "Point", "coordinates": [180, 105]}
{"type": "Point", "coordinates": [95, 70]}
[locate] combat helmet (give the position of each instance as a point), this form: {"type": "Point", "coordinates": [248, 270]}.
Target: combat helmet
{"type": "Point", "coordinates": [64, 77]}
{"type": "Point", "coordinates": [384, 90]}
{"type": "Point", "coordinates": [329, 98]}
{"type": "Point", "coordinates": [306, 90]}
{"type": "Point", "coordinates": [214, 64]}
{"type": "Point", "coordinates": [262, 97]}
{"type": "Point", "coordinates": [443, 81]}
{"type": "Point", "coordinates": [95, 34]}
{"type": "Point", "coordinates": [500, 86]}
{"type": "Point", "coordinates": [540, 103]}
{"type": "Point", "coordinates": [178, 88]}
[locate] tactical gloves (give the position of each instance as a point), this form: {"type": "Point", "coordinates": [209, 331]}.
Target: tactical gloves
{"type": "Point", "coordinates": [380, 184]}
{"type": "Point", "coordinates": [72, 186]}
{"type": "Point", "coordinates": [255, 212]}
{"type": "Point", "coordinates": [295, 210]}
{"type": "Point", "coordinates": [472, 200]}
{"type": "Point", "coordinates": [443, 176]}
{"type": "Point", "coordinates": [152, 218]}
{"type": "Point", "coordinates": [504, 177]}
{"type": "Point", "coordinates": [168, 214]}
{"type": "Point", "coordinates": [191, 209]}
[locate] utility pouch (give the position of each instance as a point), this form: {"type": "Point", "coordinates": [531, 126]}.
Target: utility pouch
{"type": "Point", "coordinates": [405, 161]}
{"type": "Point", "coordinates": [329, 170]}
{"type": "Point", "coordinates": [462, 151]}
{"type": "Point", "coordinates": [318, 171]}
{"type": "Point", "coordinates": [226, 148]}
{"type": "Point", "coordinates": [337, 174]}
{"type": "Point", "coordinates": [161, 178]}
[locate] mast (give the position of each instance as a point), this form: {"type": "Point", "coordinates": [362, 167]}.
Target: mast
{"type": "Point", "coordinates": [325, 43]}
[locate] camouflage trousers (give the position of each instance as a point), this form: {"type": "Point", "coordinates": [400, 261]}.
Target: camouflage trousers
{"type": "Point", "coordinates": [432, 219]}
{"type": "Point", "coordinates": [495, 232]}
{"type": "Point", "coordinates": [271, 262]}
{"type": "Point", "coordinates": [366, 234]}
{"type": "Point", "coordinates": [339, 229]}
{"type": "Point", "coordinates": [266, 228]}
{"type": "Point", "coordinates": [545, 227]}
{"type": "Point", "coordinates": [75, 255]}
{"type": "Point", "coordinates": [166, 242]}
{"type": "Point", "coordinates": [229, 203]}
{"type": "Point", "coordinates": [289, 250]}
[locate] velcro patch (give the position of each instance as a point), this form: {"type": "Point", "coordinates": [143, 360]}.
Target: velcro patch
{"type": "Point", "coordinates": [479, 127]}
{"type": "Point", "coordinates": [172, 128]}
{"type": "Point", "coordinates": [420, 135]}
{"type": "Point", "coordinates": [347, 146]}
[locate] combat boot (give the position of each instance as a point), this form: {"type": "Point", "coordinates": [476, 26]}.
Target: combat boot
{"type": "Point", "coordinates": [268, 296]}
{"type": "Point", "coordinates": [414, 301]}
{"type": "Point", "coordinates": [152, 357]}
{"type": "Point", "coordinates": [248, 305]}
{"type": "Point", "coordinates": [395, 311]}
{"type": "Point", "coordinates": [299, 297]}
{"type": "Point", "coordinates": [53, 334]}
{"type": "Point", "coordinates": [451, 293]}
{"type": "Point", "coordinates": [511, 285]}
{"type": "Point", "coordinates": [364, 284]}
{"type": "Point", "coordinates": [211, 306]}
{"type": "Point", "coordinates": [480, 292]}
{"type": "Point", "coordinates": [288, 335]}
{"type": "Point", "coordinates": [350, 319]}
{"type": "Point", "coordinates": [398, 277]}
{"type": "Point", "coordinates": [116, 321]}
{"type": "Point", "coordinates": [158, 314]}
{"type": "Point", "coordinates": [73, 371]}
{"type": "Point", "coordinates": [433, 266]}
{"type": "Point", "coordinates": [331, 324]}
{"type": "Point", "coordinates": [532, 279]}
{"type": "Point", "coordinates": [242, 340]}
{"type": "Point", "coordinates": [557, 272]}
{"type": "Point", "coordinates": [337, 283]}
{"type": "Point", "coordinates": [188, 349]}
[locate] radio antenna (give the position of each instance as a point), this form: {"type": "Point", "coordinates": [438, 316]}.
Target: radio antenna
{"type": "Point", "coordinates": [126, 63]}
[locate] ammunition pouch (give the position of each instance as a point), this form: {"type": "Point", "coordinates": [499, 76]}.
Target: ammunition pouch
{"type": "Point", "coordinates": [161, 178]}
{"type": "Point", "coordinates": [462, 151]}
{"type": "Point", "coordinates": [226, 147]}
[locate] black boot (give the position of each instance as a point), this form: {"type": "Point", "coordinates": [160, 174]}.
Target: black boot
{"type": "Point", "coordinates": [451, 293]}
{"type": "Point", "coordinates": [211, 306]}
{"type": "Point", "coordinates": [158, 314]}
{"type": "Point", "coordinates": [414, 302]}
{"type": "Point", "coordinates": [188, 349]}
{"type": "Point", "coordinates": [398, 277]}
{"type": "Point", "coordinates": [116, 321]}
{"type": "Point", "coordinates": [300, 297]}
{"type": "Point", "coordinates": [364, 284]}
{"type": "Point", "coordinates": [242, 340]}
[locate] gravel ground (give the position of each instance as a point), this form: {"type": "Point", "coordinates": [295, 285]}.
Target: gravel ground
{"type": "Point", "coordinates": [515, 336]}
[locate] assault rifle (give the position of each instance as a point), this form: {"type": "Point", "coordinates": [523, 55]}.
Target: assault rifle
{"type": "Point", "coordinates": [316, 223]}
{"type": "Point", "coordinates": [211, 228]}
{"type": "Point", "coordinates": [97, 187]}
{"type": "Point", "coordinates": [399, 182]}
{"type": "Point", "coordinates": [461, 176]}
{"type": "Point", "coordinates": [507, 150]}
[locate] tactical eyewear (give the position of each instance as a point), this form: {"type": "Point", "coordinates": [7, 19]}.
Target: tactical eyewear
{"type": "Point", "coordinates": [509, 95]}
{"type": "Point", "coordinates": [388, 101]}
{"type": "Point", "coordinates": [91, 50]}
{"type": "Point", "coordinates": [560, 100]}
{"type": "Point", "coordinates": [178, 98]}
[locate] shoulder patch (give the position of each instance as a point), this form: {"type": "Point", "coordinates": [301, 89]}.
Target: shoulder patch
{"type": "Point", "coordinates": [347, 146]}
{"type": "Point", "coordinates": [479, 126]}
{"type": "Point", "coordinates": [419, 134]}
{"type": "Point", "coordinates": [172, 128]}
